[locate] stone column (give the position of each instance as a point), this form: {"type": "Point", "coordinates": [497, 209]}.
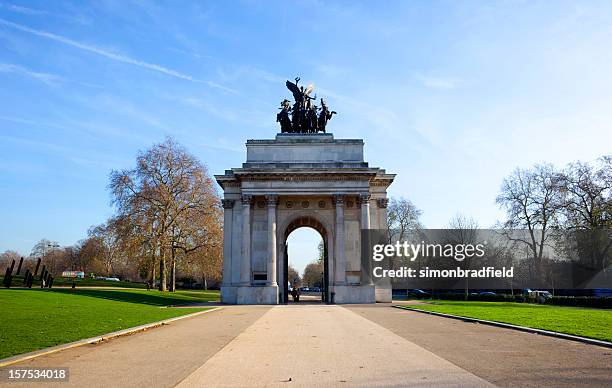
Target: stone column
{"type": "Point", "coordinates": [340, 278]}
{"type": "Point", "coordinates": [245, 267]}
{"type": "Point", "coordinates": [382, 204]}
{"type": "Point", "coordinates": [383, 292]}
{"type": "Point", "coordinates": [228, 214]}
{"type": "Point", "coordinates": [364, 201]}
{"type": "Point", "coordinates": [272, 201]}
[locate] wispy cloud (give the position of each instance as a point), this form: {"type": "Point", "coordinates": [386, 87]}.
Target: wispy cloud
{"type": "Point", "coordinates": [28, 11]}
{"type": "Point", "coordinates": [80, 156]}
{"type": "Point", "coordinates": [47, 78]}
{"type": "Point", "coordinates": [437, 82]}
{"type": "Point", "coordinates": [32, 122]}
{"type": "Point", "coordinates": [23, 10]}
{"type": "Point", "coordinates": [111, 55]}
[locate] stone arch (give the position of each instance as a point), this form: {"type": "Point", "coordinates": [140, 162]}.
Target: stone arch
{"type": "Point", "coordinates": [305, 221]}
{"type": "Point", "coordinates": [299, 220]}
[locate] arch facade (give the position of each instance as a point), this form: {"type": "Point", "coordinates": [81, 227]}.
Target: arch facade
{"type": "Point", "coordinates": [292, 181]}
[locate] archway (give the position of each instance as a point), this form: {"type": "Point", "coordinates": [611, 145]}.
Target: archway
{"type": "Point", "coordinates": [311, 223]}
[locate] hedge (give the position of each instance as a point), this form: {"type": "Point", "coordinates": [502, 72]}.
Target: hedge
{"type": "Point", "coordinates": [576, 301]}
{"type": "Point", "coordinates": [581, 301]}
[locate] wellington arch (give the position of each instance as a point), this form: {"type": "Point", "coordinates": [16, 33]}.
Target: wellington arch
{"type": "Point", "coordinates": [296, 180]}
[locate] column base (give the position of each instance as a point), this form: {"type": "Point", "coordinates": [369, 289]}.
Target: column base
{"type": "Point", "coordinates": [256, 295]}
{"type": "Point", "coordinates": [384, 294]}
{"type": "Point", "coordinates": [361, 294]}
{"type": "Point", "coordinates": [228, 294]}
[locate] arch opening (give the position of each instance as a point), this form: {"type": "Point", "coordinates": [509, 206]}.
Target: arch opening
{"type": "Point", "coordinates": [305, 248]}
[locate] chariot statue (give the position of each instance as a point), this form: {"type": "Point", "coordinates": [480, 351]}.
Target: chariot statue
{"type": "Point", "coordinates": [304, 116]}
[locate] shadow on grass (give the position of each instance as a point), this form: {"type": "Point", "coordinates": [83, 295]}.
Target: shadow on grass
{"type": "Point", "coordinates": [498, 305]}
{"type": "Point", "coordinates": [153, 298]}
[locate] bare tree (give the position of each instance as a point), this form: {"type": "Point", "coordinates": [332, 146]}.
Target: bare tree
{"type": "Point", "coordinates": [463, 230]}
{"type": "Point", "coordinates": [6, 258]}
{"type": "Point", "coordinates": [200, 244]}
{"type": "Point", "coordinates": [587, 195]}
{"type": "Point", "coordinates": [293, 276]}
{"type": "Point", "coordinates": [587, 212]}
{"type": "Point", "coordinates": [532, 201]}
{"type": "Point", "coordinates": [109, 248]}
{"type": "Point", "coordinates": [166, 189]}
{"type": "Point", "coordinates": [313, 275]}
{"type": "Point", "coordinates": [42, 247]}
{"type": "Point", "coordinates": [402, 216]}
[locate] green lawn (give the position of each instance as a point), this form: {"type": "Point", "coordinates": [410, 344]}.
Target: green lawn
{"type": "Point", "coordinates": [592, 323]}
{"type": "Point", "coordinates": [32, 319]}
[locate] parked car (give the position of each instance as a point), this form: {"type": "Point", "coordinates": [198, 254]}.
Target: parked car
{"type": "Point", "coordinates": [112, 279]}
{"type": "Point", "coordinates": [540, 296]}
{"type": "Point", "coordinates": [418, 293]}
{"type": "Point", "coordinates": [487, 293]}
{"type": "Point", "coordinates": [544, 294]}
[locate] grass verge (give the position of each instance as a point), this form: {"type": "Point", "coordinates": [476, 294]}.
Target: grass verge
{"type": "Point", "coordinates": [33, 319]}
{"type": "Point", "coordinates": [591, 323]}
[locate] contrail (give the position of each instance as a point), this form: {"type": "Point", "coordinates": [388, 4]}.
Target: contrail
{"type": "Point", "coordinates": [108, 54]}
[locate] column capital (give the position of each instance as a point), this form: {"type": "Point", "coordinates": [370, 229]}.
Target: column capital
{"type": "Point", "coordinates": [272, 200]}
{"type": "Point", "coordinates": [228, 203]}
{"type": "Point", "coordinates": [246, 199]}
{"type": "Point", "coordinates": [382, 202]}
{"type": "Point", "coordinates": [338, 199]}
{"type": "Point", "coordinates": [363, 198]}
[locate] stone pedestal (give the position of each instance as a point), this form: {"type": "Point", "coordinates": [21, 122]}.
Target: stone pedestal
{"type": "Point", "coordinates": [228, 294]}
{"type": "Point", "coordinates": [384, 294]}
{"type": "Point", "coordinates": [257, 295]}
{"type": "Point", "coordinates": [361, 294]}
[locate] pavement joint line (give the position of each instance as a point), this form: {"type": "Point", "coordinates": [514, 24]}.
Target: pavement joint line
{"type": "Point", "coordinates": [532, 330]}
{"type": "Point", "coordinates": [97, 339]}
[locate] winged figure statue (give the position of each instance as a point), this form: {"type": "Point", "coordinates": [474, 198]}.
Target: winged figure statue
{"type": "Point", "coordinates": [304, 113]}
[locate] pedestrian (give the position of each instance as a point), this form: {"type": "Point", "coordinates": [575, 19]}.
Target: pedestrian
{"type": "Point", "coordinates": [295, 293]}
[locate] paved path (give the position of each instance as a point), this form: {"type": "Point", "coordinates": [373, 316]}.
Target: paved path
{"type": "Point", "coordinates": [502, 356]}
{"type": "Point", "coordinates": [310, 345]}
{"type": "Point", "coordinates": [319, 345]}
{"type": "Point", "coordinates": [160, 357]}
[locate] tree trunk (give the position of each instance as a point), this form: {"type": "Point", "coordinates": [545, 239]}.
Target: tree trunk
{"type": "Point", "coordinates": [173, 271]}
{"type": "Point", "coordinates": [162, 273]}
{"type": "Point", "coordinates": [204, 282]}
{"type": "Point", "coordinates": [153, 274]}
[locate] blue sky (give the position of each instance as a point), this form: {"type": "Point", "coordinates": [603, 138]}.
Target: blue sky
{"type": "Point", "coordinates": [451, 96]}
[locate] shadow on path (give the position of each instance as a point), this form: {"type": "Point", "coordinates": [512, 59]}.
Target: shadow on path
{"type": "Point", "coordinates": [153, 298]}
